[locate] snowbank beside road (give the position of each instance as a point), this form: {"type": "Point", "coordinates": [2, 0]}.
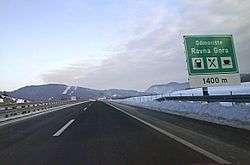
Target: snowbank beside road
{"type": "Point", "coordinates": [233, 115]}
{"type": "Point", "coordinates": [244, 88]}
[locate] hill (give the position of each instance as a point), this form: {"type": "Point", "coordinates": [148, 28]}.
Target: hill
{"type": "Point", "coordinates": [167, 88]}
{"type": "Point", "coordinates": [64, 92]}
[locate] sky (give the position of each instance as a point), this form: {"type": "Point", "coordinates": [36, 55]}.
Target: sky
{"type": "Point", "coordinates": [105, 44]}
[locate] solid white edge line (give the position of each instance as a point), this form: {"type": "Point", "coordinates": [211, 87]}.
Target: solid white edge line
{"type": "Point", "coordinates": [178, 139]}
{"type": "Point", "coordinates": [60, 131]}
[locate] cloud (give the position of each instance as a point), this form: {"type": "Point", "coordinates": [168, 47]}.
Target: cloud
{"type": "Point", "coordinates": [155, 52]}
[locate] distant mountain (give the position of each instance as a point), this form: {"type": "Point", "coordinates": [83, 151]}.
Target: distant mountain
{"type": "Point", "coordinates": [167, 88]}
{"type": "Point", "coordinates": [175, 86]}
{"type": "Point", "coordinates": [122, 93]}
{"type": "Point", "coordinates": [39, 92]}
{"type": "Point", "coordinates": [64, 92]}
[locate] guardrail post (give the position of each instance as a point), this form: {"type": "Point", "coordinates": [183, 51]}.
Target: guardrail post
{"type": "Point", "coordinates": [205, 91]}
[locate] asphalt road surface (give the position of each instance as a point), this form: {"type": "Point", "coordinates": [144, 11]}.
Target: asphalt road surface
{"type": "Point", "coordinates": [97, 133]}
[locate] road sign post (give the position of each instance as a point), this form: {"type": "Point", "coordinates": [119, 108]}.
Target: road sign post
{"type": "Point", "coordinates": [205, 91]}
{"type": "Point", "coordinates": [211, 60]}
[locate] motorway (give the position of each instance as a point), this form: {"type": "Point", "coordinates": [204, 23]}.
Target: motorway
{"type": "Point", "coordinates": [94, 133]}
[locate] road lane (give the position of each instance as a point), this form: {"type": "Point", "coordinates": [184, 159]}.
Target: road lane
{"type": "Point", "coordinates": [38, 127]}
{"type": "Point", "coordinates": [99, 135]}
{"type": "Point", "coordinates": [230, 143]}
{"type": "Point", "coordinates": [110, 137]}
{"type": "Point", "coordinates": [177, 138]}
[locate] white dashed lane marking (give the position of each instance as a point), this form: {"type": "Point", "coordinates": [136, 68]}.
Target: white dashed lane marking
{"type": "Point", "coordinates": [60, 131]}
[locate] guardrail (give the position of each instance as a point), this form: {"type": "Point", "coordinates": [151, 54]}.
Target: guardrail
{"type": "Point", "coordinates": [127, 97]}
{"type": "Point", "coordinates": [213, 98]}
{"type": "Point", "coordinates": [9, 110]}
{"type": "Point", "coordinates": [30, 104]}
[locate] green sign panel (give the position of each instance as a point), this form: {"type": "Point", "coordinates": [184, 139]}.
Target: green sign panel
{"type": "Point", "coordinates": [211, 60]}
{"type": "Point", "coordinates": [210, 54]}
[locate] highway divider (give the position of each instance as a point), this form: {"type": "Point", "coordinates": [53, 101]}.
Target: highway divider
{"type": "Point", "coordinates": [14, 111]}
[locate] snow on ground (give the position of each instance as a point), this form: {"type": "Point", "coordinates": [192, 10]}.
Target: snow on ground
{"type": "Point", "coordinates": [20, 101]}
{"type": "Point", "coordinates": [234, 115]}
{"type": "Point", "coordinates": [167, 88]}
{"type": "Point", "coordinates": [66, 90]}
{"type": "Point", "coordinates": [72, 91]}
{"type": "Point", "coordinates": [244, 88]}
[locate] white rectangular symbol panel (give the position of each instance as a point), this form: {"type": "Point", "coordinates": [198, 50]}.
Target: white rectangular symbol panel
{"type": "Point", "coordinates": [212, 63]}
{"type": "Point", "coordinates": [198, 63]}
{"type": "Point", "coordinates": [226, 62]}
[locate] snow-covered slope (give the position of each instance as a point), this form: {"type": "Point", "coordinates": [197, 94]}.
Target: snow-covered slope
{"type": "Point", "coordinates": [70, 90]}
{"type": "Point", "coordinates": [64, 92]}
{"type": "Point", "coordinates": [167, 88]}
{"type": "Point", "coordinates": [244, 88]}
{"type": "Point", "coordinates": [236, 115]}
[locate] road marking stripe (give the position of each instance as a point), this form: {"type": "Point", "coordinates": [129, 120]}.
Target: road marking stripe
{"type": "Point", "coordinates": [60, 131]}
{"type": "Point", "coordinates": [178, 139]}
{"type": "Point", "coordinates": [85, 108]}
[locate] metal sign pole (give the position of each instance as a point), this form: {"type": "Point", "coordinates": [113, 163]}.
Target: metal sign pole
{"type": "Point", "coordinates": [205, 91]}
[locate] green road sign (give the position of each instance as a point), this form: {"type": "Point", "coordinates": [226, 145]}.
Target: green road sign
{"type": "Point", "coordinates": [211, 55]}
